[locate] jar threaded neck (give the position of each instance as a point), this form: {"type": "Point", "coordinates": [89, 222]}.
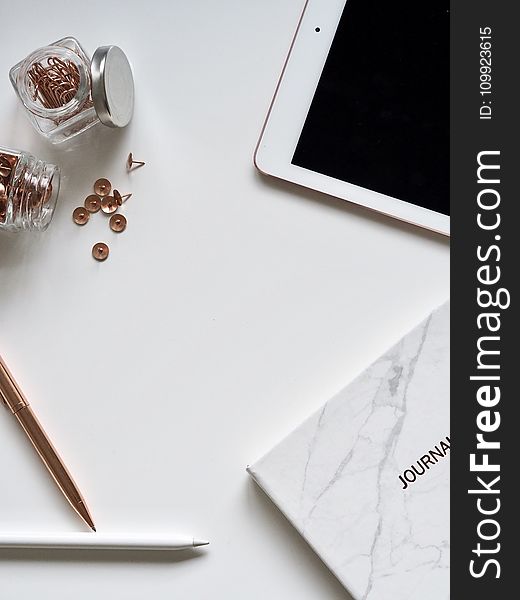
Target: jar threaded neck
{"type": "Point", "coordinates": [31, 195]}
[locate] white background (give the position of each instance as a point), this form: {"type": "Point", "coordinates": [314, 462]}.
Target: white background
{"type": "Point", "coordinates": [230, 309]}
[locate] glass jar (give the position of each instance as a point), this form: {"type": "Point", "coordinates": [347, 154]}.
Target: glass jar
{"type": "Point", "coordinates": [29, 189]}
{"type": "Point", "coordinates": [65, 93]}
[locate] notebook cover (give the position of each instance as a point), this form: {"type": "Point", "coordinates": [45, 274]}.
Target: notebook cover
{"type": "Point", "coordinates": [365, 480]}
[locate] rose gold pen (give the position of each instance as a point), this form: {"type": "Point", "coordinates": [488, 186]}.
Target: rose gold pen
{"type": "Point", "coordinates": [13, 398]}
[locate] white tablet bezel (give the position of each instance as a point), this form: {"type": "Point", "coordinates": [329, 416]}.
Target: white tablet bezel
{"type": "Point", "coordinates": [288, 111]}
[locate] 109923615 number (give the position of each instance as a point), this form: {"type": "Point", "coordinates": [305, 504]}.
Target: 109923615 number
{"type": "Point", "coordinates": [485, 87]}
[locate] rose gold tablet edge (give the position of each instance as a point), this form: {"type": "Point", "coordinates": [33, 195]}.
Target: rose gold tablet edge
{"type": "Point", "coordinates": [277, 88]}
{"type": "Point", "coordinates": [366, 207]}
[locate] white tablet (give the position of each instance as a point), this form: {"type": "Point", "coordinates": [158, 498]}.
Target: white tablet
{"type": "Point", "coordinates": [361, 111]}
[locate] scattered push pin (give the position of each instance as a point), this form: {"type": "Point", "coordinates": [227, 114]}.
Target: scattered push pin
{"type": "Point", "coordinates": [130, 162]}
{"type": "Point", "coordinates": [120, 199]}
{"type": "Point", "coordinates": [80, 216]}
{"type": "Point", "coordinates": [105, 198]}
{"type": "Point", "coordinates": [92, 203]}
{"type": "Point", "coordinates": [102, 187]}
{"type": "Point", "coordinates": [109, 205]}
{"type": "Point", "coordinates": [117, 223]}
{"type": "Point", "coordinates": [100, 251]}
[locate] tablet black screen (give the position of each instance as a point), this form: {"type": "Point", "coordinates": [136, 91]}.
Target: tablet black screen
{"type": "Point", "coordinates": [380, 114]}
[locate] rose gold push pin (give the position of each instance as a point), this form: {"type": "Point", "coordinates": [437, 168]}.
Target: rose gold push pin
{"type": "Point", "coordinates": [80, 216]}
{"type": "Point", "coordinates": [118, 223]}
{"type": "Point", "coordinates": [102, 187]}
{"type": "Point", "coordinates": [130, 162]}
{"type": "Point", "coordinates": [120, 199]}
{"type": "Point", "coordinates": [100, 251]}
{"type": "Point", "coordinates": [92, 203]}
{"type": "Point", "coordinates": [109, 205]}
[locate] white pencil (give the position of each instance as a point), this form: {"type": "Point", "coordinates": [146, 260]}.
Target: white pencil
{"type": "Point", "coordinates": [98, 541]}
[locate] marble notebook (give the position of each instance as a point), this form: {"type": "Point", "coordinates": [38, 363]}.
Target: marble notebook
{"type": "Point", "coordinates": [365, 480]}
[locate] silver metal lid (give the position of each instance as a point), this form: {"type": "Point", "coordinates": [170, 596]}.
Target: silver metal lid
{"type": "Point", "coordinates": [112, 86]}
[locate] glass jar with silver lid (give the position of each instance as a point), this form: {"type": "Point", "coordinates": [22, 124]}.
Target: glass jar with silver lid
{"type": "Point", "coordinates": [65, 92]}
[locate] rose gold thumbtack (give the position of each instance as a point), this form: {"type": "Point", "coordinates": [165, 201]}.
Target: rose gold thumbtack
{"type": "Point", "coordinates": [120, 199]}
{"type": "Point", "coordinates": [118, 223]}
{"type": "Point", "coordinates": [102, 187]}
{"type": "Point", "coordinates": [109, 205]}
{"type": "Point", "coordinates": [92, 203]}
{"type": "Point", "coordinates": [80, 216]}
{"type": "Point", "coordinates": [100, 251]}
{"type": "Point", "coordinates": [130, 162]}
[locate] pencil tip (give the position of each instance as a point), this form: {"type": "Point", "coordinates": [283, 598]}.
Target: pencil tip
{"type": "Point", "coordinates": [197, 543]}
{"type": "Point", "coordinates": [93, 528]}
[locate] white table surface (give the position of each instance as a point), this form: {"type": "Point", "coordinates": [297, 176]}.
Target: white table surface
{"type": "Point", "coordinates": [229, 310]}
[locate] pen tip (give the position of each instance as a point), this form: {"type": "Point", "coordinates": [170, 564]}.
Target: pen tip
{"type": "Point", "coordinates": [93, 528]}
{"type": "Point", "coordinates": [197, 543]}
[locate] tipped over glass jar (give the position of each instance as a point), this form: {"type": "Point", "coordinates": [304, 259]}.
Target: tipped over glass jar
{"type": "Point", "coordinates": [28, 191]}
{"type": "Point", "coordinates": [65, 92]}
